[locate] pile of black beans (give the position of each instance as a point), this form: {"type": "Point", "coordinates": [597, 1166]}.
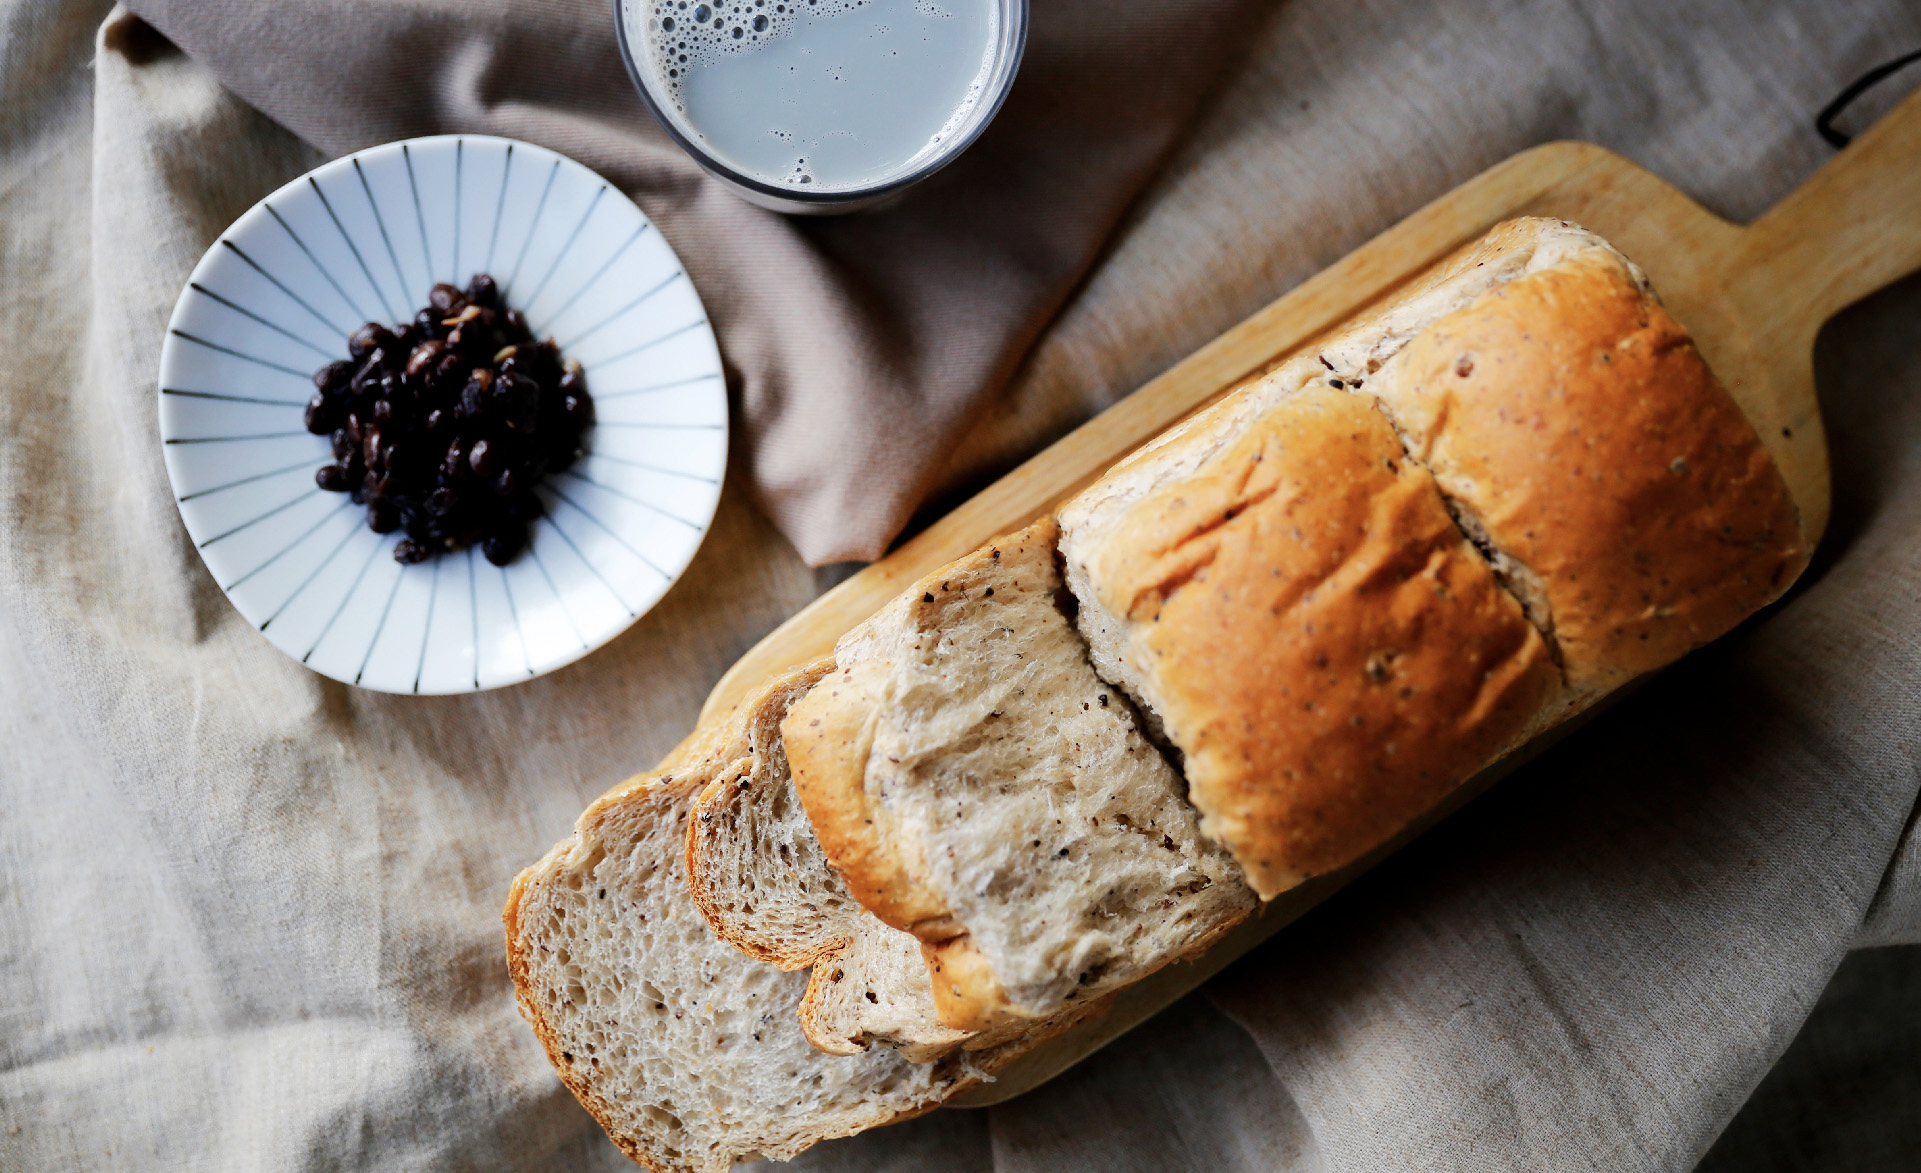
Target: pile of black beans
{"type": "Point", "coordinates": [443, 426]}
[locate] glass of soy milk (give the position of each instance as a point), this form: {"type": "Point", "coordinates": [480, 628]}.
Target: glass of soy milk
{"type": "Point", "coordinates": [823, 105]}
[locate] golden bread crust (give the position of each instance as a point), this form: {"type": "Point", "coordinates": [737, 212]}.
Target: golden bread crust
{"type": "Point", "coordinates": [967, 995]}
{"type": "Point", "coordinates": [828, 734]}
{"type": "Point", "coordinates": [1573, 416]}
{"type": "Point", "coordinates": [1330, 654]}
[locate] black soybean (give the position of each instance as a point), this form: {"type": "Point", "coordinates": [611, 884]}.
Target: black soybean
{"type": "Point", "coordinates": [334, 377]}
{"type": "Point", "coordinates": [320, 414]}
{"type": "Point", "coordinates": [369, 338]}
{"type": "Point", "coordinates": [424, 357]}
{"type": "Point", "coordinates": [505, 542]}
{"type": "Point", "coordinates": [482, 458]}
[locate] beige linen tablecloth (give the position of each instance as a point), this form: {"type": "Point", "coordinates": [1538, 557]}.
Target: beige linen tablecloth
{"type": "Point", "coordinates": [249, 917]}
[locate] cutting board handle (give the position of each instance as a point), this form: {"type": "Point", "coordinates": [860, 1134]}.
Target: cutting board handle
{"type": "Point", "coordinates": [1851, 229]}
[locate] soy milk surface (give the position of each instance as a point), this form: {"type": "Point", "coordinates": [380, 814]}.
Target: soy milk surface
{"type": "Point", "coordinates": [819, 94]}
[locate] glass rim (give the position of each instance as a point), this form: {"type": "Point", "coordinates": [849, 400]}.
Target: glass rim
{"type": "Point", "coordinates": [1010, 48]}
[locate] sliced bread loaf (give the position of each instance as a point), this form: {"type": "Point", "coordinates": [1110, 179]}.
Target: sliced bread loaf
{"type": "Point", "coordinates": [979, 786]}
{"type": "Point", "coordinates": [687, 1052]}
{"type": "Point", "coordinates": [758, 875]}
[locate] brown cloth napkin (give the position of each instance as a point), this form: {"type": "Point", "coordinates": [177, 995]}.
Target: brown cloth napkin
{"type": "Point", "coordinates": [858, 347]}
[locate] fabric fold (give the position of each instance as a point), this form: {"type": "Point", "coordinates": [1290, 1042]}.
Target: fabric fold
{"type": "Point", "coordinates": [859, 348]}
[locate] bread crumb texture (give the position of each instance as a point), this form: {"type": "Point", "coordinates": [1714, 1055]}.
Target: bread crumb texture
{"type": "Point", "coordinates": [876, 991]}
{"type": "Point", "coordinates": [1328, 599]}
{"type": "Point", "coordinates": [759, 878]}
{"type": "Point", "coordinates": [1013, 788]}
{"type": "Point", "coordinates": [689, 1053]}
{"type": "Point", "coordinates": [754, 866]}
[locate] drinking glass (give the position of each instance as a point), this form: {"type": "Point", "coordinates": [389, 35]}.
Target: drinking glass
{"type": "Point", "coordinates": [1004, 60]}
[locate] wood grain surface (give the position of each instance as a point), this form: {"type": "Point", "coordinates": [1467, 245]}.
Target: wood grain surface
{"type": "Point", "coordinates": [1754, 297]}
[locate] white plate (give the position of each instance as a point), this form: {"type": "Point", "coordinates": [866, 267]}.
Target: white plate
{"type": "Point", "coordinates": [363, 239]}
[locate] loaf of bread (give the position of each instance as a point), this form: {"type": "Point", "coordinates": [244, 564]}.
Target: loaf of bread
{"type": "Point", "coordinates": [1252, 652]}
{"type": "Point", "coordinates": [1345, 588]}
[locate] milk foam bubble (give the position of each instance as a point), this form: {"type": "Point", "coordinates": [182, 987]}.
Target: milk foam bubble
{"type": "Point", "coordinates": [686, 34]}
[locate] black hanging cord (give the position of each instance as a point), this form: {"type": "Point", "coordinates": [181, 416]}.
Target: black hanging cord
{"type": "Point", "coordinates": [1824, 121]}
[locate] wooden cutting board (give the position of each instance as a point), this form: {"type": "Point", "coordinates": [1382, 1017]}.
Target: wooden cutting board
{"type": "Point", "coordinates": [1753, 295]}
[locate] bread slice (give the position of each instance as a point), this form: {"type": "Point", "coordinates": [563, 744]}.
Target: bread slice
{"type": "Point", "coordinates": [757, 874]}
{"type": "Point", "coordinates": [1274, 583]}
{"type": "Point", "coordinates": [876, 991]}
{"type": "Point", "coordinates": [689, 1053]}
{"type": "Point", "coordinates": [753, 866]}
{"type": "Point", "coordinates": [978, 786]}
